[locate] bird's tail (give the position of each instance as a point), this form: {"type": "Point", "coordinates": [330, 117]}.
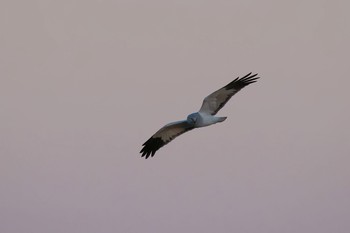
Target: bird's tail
{"type": "Point", "coordinates": [221, 119]}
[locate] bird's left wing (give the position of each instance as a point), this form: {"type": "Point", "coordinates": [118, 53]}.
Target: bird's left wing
{"type": "Point", "coordinates": [215, 101]}
{"type": "Point", "coordinates": [164, 136]}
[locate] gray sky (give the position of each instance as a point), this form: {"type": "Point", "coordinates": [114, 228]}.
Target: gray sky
{"type": "Point", "coordinates": [84, 83]}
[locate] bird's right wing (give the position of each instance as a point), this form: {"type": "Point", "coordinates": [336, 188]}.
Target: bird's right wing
{"type": "Point", "coordinates": [215, 101]}
{"type": "Point", "coordinates": [164, 136]}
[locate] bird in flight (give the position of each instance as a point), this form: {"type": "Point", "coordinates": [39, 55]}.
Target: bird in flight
{"type": "Point", "coordinates": [204, 117]}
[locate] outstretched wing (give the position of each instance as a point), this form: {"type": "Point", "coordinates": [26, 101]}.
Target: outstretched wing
{"type": "Point", "coordinates": [215, 101]}
{"type": "Point", "coordinates": [164, 136]}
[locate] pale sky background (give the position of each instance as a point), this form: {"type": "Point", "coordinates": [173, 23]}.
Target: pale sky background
{"type": "Point", "coordinates": [84, 83]}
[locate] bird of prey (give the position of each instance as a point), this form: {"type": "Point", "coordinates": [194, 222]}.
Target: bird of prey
{"type": "Point", "coordinates": [204, 117]}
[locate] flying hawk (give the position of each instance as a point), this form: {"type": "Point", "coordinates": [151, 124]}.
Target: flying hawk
{"type": "Point", "coordinates": [204, 117]}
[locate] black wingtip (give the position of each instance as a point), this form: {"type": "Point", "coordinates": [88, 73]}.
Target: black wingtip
{"type": "Point", "coordinates": [239, 83]}
{"type": "Point", "coordinates": [247, 75]}
{"type": "Point", "coordinates": [151, 146]}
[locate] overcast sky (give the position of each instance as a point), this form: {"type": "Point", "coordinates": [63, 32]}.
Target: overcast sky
{"type": "Point", "coordinates": [84, 83]}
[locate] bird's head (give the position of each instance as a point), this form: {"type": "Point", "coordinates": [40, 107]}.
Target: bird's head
{"type": "Point", "coordinates": [192, 118]}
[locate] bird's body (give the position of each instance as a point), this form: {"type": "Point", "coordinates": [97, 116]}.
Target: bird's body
{"type": "Point", "coordinates": [204, 117]}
